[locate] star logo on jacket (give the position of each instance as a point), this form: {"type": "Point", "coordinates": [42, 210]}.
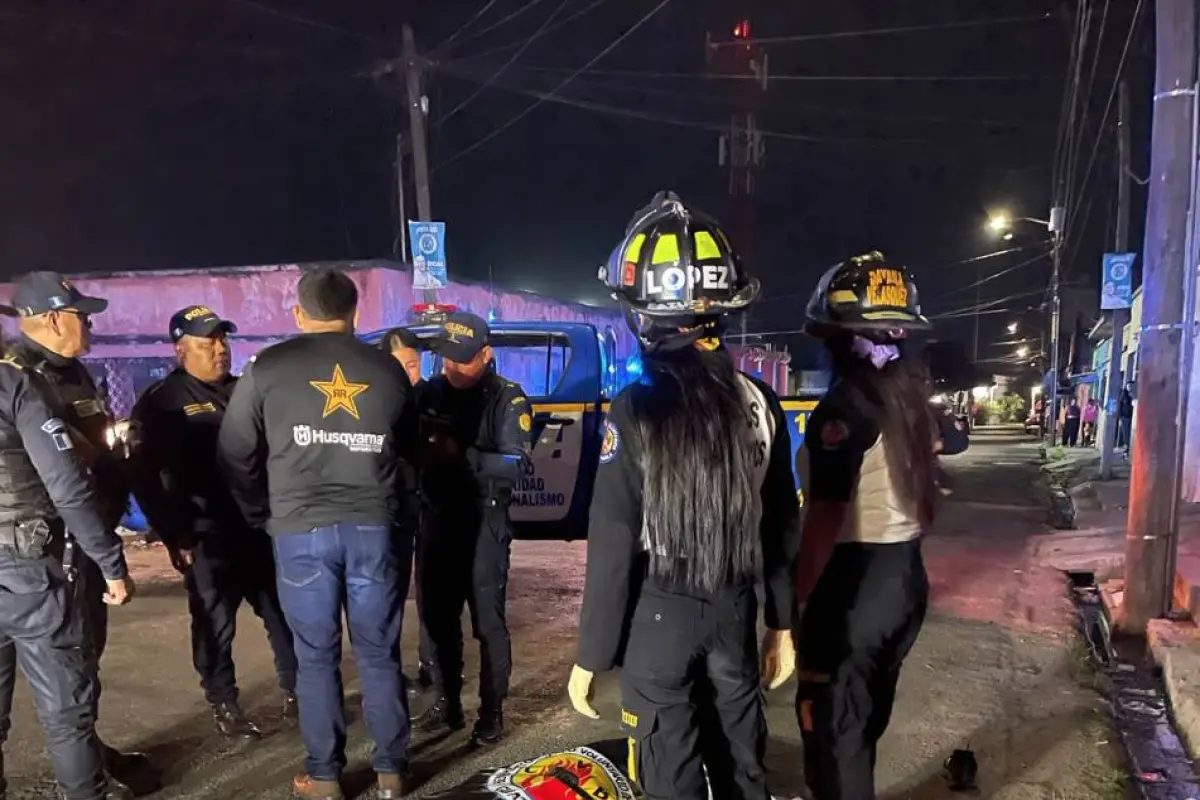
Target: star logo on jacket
{"type": "Point", "coordinates": [339, 393]}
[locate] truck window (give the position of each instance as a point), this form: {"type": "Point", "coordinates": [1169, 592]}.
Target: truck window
{"type": "Point", "coordinates": [536, 361]}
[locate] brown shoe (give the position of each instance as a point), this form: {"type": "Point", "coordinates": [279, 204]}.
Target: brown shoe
{"type": "Point", "coordinates": [306, 787]}
{"type": "Point", "coordinates": [391, 786]}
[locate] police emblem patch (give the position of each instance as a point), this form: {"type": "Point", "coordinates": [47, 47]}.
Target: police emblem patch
{"type": "Point", "coordinates": [525, 422]}
{"type": "Point", "coordinates": [581, 772]}
{"type": "Point", "coordinates": [610, 443]}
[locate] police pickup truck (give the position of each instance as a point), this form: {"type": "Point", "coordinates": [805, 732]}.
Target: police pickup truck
{"type": "Point", "coordinates": [570, 372]}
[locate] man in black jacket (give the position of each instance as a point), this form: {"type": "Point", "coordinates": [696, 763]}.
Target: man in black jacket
{"type": "Point", "coordinates": [476, 438]}
{"type": "Point", "coordinates": [187, 501]}
{"type": "Point", "coordinates": [55, 321]}
{"type": "Point", "coordinates": [318, 441]}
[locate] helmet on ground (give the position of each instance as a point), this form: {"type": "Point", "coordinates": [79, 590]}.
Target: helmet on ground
{"type": "Point", "coordinates": [865, 293]}
{"type": "Point", "coordinates": [675, 262]}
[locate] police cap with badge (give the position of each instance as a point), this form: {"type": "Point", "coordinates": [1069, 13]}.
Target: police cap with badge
{"type": "Point", "coordinates": [199, 321]}
{"type": "Point", "coordinates": [42, 292]}
{"type": "Point", "coordinates": [462, 337]}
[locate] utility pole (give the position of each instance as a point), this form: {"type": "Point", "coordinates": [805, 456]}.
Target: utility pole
{"type": "Point", "coordinates": [418, 107]}
{"type": "Point", "coordinates": [1120, 316]}
{"type": "Point", "coordinates": [1152, 528]}
{"type": "Point", "coordinates": [1057, 220]}
{"type": "Point", "coordinates": [401, 246]}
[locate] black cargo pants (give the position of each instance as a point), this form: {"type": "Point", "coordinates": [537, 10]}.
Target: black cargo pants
{"type": "Point", "coordinates": [227, 571]}
{"type": "Point", "coordinates": [465, 561]}
{"type": "Point", "coordinates": [42, 630]}
{"type": "Point", "coordinates": [690, 676]}
{"type": "Point", "coordinates": [860, 622]}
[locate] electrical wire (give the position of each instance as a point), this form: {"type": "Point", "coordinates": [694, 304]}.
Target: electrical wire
{"type": "Point", "coordinates": [813, 37]}
{"type": "Point", "coordinates": [1111, 94]}
{"type": "Point", "coordinates": [1077, 120]}
{"type": "Point", "coordinates": [503, 67]}
{"type": "Point", "coordinates": [301, 20]}
{"type": "Point", "coordinates": [1065, 130]}
{"type": "Point", "coordinates": [449, 40]}
{"type": "Point", "coordinates": [499, 23]}
{"type": "Point", "coordinates": [586, 9]}
{"type": "Point", "coordinates": [801, 78]}
{"type": "Point", "coordinates": [602, 108]}
{"type": "Point", "coordinates": [529, 109]}
{"type": "Point", "coordinates": [993, 276]}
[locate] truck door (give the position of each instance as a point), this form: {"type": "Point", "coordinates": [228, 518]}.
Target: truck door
{"type": "Point", "coordinates": [796, 411]}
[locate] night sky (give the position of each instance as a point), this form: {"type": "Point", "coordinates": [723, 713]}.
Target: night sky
{"type": "Point", "coordinates": [142, 134]}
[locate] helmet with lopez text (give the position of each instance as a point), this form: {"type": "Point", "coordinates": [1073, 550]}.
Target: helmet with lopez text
{"type": "Point", "coordinates": [864, 294]}
{"type": "Point", "coordinates": [675, 262]}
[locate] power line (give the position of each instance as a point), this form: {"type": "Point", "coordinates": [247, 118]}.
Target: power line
{"type": "Point", "coordinates": [602, 108]}
{"type": "Point", "coordinates": [813, 37]}
{"type": "Point", "coordinates": [800, 78]}
{"type": "Point", "coordinates": [993, 277]}
{"type": "Point", "coordinates": [586, 9]}
{"type": "Point", "coordinates": [1111, 94]}
{"type": "Point", "coordinates": [529, 5]}
{"type": "Point", "coordinates": [503, 67]}
{"type": "Point", "coordinates": [528, 110]}
{"type": "Point", "coordinates": [301, 20]}
{"type": "Point", "coordinates": [450, 39]}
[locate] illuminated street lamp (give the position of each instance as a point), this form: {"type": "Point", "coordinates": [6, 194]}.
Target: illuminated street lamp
{"type": "Point", "coordinates": [1022, 352]}
{"type": "Point", "coordinates": [1012, 327]}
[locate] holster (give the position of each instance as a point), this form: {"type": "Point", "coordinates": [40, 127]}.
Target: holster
{"type": "Point", "coordinates": [28, 540]}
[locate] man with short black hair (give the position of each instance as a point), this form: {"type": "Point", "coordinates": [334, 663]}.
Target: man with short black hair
{"type": "Point", "coordinates": [318, 441]}
{"type": "Point", "coordinates": [187, 501]}
{"type": "Point", "coordinates": [406, 347]}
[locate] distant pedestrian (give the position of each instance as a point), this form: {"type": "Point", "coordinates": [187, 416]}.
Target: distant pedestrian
{"type": "Point", "coordinates": [1091, 412]}
{"type": "Point", "coordinates": [1125, 418]}
{"type": "Point", "coordinates": [1071, 424]}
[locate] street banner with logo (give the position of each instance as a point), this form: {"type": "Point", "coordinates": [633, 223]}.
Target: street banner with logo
{"type": "Point", "coordinates": [1116, 286]}
{"type": "Point", "coordinates": [428, 243]}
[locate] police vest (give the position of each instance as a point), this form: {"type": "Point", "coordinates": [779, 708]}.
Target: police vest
{"type": "Point", "coordinates": [876, 515]}
{"type": "Point", "coordinates": [22, 494]}
{"type": "Point", "coordinates": [759, 436]}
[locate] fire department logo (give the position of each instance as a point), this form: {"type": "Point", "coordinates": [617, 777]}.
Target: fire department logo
{"type": "Point", "coordinates": [579, 774]}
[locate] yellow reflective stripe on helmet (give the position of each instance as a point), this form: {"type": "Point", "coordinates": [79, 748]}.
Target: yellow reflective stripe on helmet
{"type": "Point", "coordinates": [843, 296]}
{"type": "Point", "coordinates": [634, 251]}
{"type": "Point", "coordinates": [666, 249]}
{"type": "Point", "coordinates": [706, 245]}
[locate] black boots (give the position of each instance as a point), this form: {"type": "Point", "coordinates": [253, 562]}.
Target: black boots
{"type": "Point", "coordinates": [232, 722]}
{"type": "Point", "coordinates": [444, 713]}
{"type": "Point", "coordinates": [489, 728]}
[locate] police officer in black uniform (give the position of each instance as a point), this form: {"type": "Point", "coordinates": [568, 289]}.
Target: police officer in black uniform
{"type": "Point", "coordinates": [44, 492]}
{"type": "Point", "coordinates": [319, 441]}
{"type": "Point", "coordinates": [187, 501]}
{"type": "Point", "coordinates": [694, 503]}
{"type": "Point", "coordinates": [868, 467]}
{"type": "Point", "coordinates": [406, 347]}
{"type": "Point", "coordinates": [476, 434]}
{"type": "Point", "coordinates": [55, 322]}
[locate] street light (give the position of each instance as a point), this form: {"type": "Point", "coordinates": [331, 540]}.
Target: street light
{"type": "Point", "coordinates": [1012, 327]}
{"type": "Point", "coordinates": [999, 223]}
{"type": "Point", "coordinates": [1022, 352]}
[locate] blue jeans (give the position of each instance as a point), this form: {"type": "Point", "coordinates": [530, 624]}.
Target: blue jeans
{"type": "Point", "coordinates": [365, 569]}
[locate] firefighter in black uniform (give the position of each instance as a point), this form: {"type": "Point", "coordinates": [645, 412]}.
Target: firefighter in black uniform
{"type": "Point", "coordinates": [55, 322]}
{"type": "Point", "coordinates": [406, 347]}
{"type": "Point", "coordinates": [869, 474]}
{"type": "Point", "coordinates": [319, 441]}
{"type": "Point", "coordinates": [187, 501]}
{"type": "Point", "coordinates": [45, 491]}
{"type": "Point", "coordinates": [694, 503]}
{"type": "Point", "coordinates": [476, 436]}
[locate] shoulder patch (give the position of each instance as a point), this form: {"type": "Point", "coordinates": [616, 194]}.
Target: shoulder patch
{"type": "Point", "coordinates": [520, 400]}
{"type": "Point", "coordinates": [54, 425]}
{"type": "Point", "coordinates": [610, 443]}
{"type": "Point", "coordinates": [525, 422]}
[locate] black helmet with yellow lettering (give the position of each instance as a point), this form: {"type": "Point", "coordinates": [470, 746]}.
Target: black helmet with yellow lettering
{"type": "Point", "coordinates": [675, 262]}
{"type": "Point", "coordinates": [865, 293]}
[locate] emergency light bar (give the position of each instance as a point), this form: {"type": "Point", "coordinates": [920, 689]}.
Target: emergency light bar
{"type": "Point", "coordinates": [433, 313]}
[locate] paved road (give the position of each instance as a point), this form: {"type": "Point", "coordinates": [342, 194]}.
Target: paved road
{"type": "Point", "coordinates": [994, 669]}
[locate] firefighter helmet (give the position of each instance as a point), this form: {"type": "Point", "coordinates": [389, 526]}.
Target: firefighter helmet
{"type": "Point", "coordinates": [866, 293]}
{"type": "Point", "coordinates": [676, 262]}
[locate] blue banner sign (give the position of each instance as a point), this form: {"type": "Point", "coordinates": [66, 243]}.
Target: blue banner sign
{"type": "Point", "coordinates": [428, 243]}
{"type": "Point", "coordinates": [1116, 289]}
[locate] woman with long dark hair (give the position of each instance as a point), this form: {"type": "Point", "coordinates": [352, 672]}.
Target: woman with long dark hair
{"type": "Point", "coordinates": [694, 503]}
{"type": "Point", "coordinates": [869, 471]}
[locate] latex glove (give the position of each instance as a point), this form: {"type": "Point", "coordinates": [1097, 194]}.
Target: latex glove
{"type": "Point", "coordinates": [579, 689]}
{"type": "Point", "coordinates": [778, 658]}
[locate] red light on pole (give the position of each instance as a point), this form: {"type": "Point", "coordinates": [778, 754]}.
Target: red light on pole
{"type": "Point", "coordinates": [742, 30]}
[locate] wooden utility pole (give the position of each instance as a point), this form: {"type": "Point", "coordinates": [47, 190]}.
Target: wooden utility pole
{"type": "Point", "coordinates": [1120, 316]}
{"type": "Point", "coordinates": [1152, 528]}
{"type": "Point", "coordinates": [417, 112]}
{"type": "Point", "coordinates": [401, 245]}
